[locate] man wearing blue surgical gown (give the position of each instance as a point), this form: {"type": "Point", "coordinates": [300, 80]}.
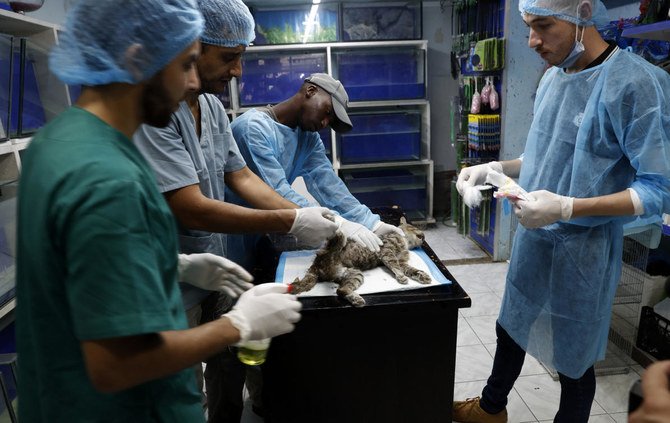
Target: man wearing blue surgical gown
{"type": "Point", "coordinates": [597, 154]}
{"type": "Point", "coordinates": [281, 143]}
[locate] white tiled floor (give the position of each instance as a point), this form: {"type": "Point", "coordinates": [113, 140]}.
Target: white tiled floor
{"type": "Point", "coordinates": [535, 396]}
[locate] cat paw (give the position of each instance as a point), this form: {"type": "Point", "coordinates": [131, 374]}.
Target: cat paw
{"type": "Point", "coordinates": [402, 279]}
{"type": "Point", "coordinates": [423, 277]}
{"type": "Point", "coordinates": [355, 300]}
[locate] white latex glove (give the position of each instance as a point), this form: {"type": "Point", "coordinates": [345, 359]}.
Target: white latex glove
{"type": "Point", "coordinates": [213, 273]}
{"type": "Point", "coordinates": [475, 175]}
{"type": "Point", "coordinates": [543, 208]}
{"type": "Point", "coordinates": [265, 311]}
{"type": "Point", "coordinates": [382, 228]}
{"type": "Point", "coordinates": [359, 233]}
{"type": "Point", "coordinates": [311, 226]}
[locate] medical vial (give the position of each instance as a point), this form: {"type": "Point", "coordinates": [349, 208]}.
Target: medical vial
{"type": "Point", "coordinates": [253, 353]}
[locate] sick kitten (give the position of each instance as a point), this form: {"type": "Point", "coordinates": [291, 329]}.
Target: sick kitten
{"type": "Point", "coordinates": [343, 262]}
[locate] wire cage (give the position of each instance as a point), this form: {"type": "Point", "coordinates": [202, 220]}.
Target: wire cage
{"type": "Point", "coordinates": [626, 305]}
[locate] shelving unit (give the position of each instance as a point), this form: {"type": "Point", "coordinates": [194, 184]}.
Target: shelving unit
{"type": "Point", "coordinates": [404, 64]}
{"type": "Point", "coordinates": [54, 98]}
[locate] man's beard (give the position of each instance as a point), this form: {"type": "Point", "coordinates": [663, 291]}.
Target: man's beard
{"type": "Point", "coordinates": [157, 106]}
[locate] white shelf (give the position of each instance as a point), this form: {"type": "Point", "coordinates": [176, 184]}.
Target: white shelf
{"type": "Point", "coordinates": [335, 45]}
{"type": "Point", "coordinates": [6, 147]}
{"type": "Point", "coordinates": [377, 165]}
{"type": "Point", "coordinates": [422, 105]}
{"type": "Point", "coordinates": [388, 103]}
{"type": "Point", "coordinates": [20, 25]}
{"type": "Point", "coordinates": [7, 308]}
{"type": "Point", "coordinates": [656, 31]}
{"type": "Point", "coordinates": [21, 143]}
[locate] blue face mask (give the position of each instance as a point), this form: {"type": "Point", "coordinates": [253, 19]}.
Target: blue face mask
{"type": "Point", "coordinates": [575, 54]}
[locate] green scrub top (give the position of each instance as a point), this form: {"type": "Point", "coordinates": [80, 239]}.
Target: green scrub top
{"type": "Point", "coordinates": [96, 259]}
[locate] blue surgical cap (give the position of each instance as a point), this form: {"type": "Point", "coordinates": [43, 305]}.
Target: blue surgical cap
{"type": "Point", "coordinates": [567, 10]}
{"type": "Point", "coordinates": [228, 23]}
{"type": "Point", "coordinates": [107, 41]}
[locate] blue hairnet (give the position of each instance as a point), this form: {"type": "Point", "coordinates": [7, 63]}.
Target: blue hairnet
{"type": "Point", "coordinates": [108, 41]}
{"type": "Point", "coordinates": [566, 10]}
{"type": "Point", "coordinates": [228, 23]}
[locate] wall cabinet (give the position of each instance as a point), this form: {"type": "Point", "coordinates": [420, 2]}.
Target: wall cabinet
{"type": "Point", "coordinates": [385, 159]}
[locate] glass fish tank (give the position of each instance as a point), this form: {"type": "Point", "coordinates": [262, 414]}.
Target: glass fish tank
{"type": "Point", "coordinates": [314, 23]}
{"type": "Point", "coordinates": [381, 21]}
{"type": "Point", "coordinates": [391, 73]}
{"type": "Point", "coordinates": [271, 77]}
{"type": "Point", "coordinates": [381, 136]}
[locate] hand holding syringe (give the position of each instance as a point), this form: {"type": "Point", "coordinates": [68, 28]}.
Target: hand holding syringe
{"type": "Point", "coordinates": [507, 188]}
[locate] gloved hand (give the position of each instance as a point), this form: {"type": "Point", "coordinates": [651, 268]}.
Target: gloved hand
{"type": "Point", "coordinates": [311, 226]}
{"type": "Point", "coordinates": [543, 208]}
{"type": "Point", "coordinates": [382, 228]}
{"type": "Point", "coordinates": [265, 311]}
{"type": "Point", "coordinates": [475, 175]}
{"type": "Point", "coordinates": [213, 273]}
{"type": "Point", "coordinates": [359, 233]}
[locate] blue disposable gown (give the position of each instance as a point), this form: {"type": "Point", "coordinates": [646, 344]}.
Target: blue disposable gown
{"type": "Point", "coordinates": [595, 132]}
{"type": "Point", "coordinates": [279, 154]}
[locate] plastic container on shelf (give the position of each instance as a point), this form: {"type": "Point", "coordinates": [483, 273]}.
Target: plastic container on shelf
{"type": "Point", "coordinates": [33, 108]}
{"type": "Point", "coordinates": [385, 136]}
{"type": "Point", "coordinates": [381, 21]}
{"type": "Point", "coordinates": [28, 114]}
{"type": "Point", "coordinates": [393, 73]}
{"type": "Point", "coordinates": [272, 77]}
{"type": "Point", "coordinates": [404, 187]}
{"type": "Point", "coordinates": [296, 24]}
{"type": "Point", "coordinates": [5, 84]}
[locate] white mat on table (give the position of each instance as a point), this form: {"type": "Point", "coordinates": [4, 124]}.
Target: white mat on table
{"type": "Point", "coordinates": [294, 264]}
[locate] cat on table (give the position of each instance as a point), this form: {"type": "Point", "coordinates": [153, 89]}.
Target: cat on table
{"type": "Point", "coordinates": [343, 262]}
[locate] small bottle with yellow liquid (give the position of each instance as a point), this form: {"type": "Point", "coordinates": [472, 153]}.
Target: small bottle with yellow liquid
{"type": "Point", "coordinates": [253, 353]}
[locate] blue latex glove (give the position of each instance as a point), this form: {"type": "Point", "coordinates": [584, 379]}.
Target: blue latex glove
{"type": "Point", "coordinates": [543, 208]}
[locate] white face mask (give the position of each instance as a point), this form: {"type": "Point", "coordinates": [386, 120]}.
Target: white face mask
{"type": "Point", "coordinates": [575, 54]}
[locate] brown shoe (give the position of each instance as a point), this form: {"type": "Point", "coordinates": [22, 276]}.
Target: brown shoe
{"type": "Point", "coordinates": [469, 411]}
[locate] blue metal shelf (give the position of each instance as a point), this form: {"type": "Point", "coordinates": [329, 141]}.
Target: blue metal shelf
{"type": "Point", "coordinates": [655, 31]}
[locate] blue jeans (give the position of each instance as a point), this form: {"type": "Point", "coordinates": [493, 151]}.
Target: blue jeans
{"type": "Point", "coordinates": [576, 394]}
